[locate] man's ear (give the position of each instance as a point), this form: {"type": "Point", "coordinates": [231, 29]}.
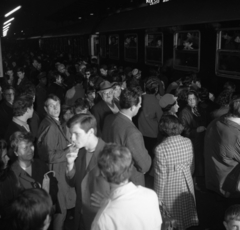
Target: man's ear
{"type": "Point", "coordinates": [132, 108]}
{"type": "Point", "coordinates": [45, 108]}
{"type": "Point", "coordinates": [16, 153]}
{"type": "Point", "coordinates": [225, 225]}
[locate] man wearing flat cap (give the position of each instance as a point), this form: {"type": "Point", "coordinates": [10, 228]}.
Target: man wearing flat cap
{"type": "Point", "coordinates": [104, 107]}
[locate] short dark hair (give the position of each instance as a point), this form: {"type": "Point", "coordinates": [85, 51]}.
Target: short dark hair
{"type": "Point", "coordinates": [193, 92]}
{"type": "Point", "coordinates": [81, 104]}
{"type": "Point", "coordinates": [234, 106]}
{"type": "Point", "coordinates": [8, 87]}
{"type": "Point", "coordinates": [66, 108]}
{"type": "Point", "coordinates": [21, 104]}
{"type": "Point", "coordinates": [29, 90]}
{"type": "Point", "coordinates": [52, 97]}
{"type": "Point", "coordinates": [21, 69]}
{"type": "Point", "coordinates": [170, 125]}
{"type": "Point", "coordinates": [129, 98]}
{"type": "Point", "coordinates": [115, 163]}
{"type": "Point", "coordinates": [232, 213]}
{"type": "Point", "coordinates": [30, 209]}
{"type": "Point", "coordinates": [18, 137]}
{"type": "Point", "coordinates": [85, 122]}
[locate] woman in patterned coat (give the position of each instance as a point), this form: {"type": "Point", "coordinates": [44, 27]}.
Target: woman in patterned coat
{"type": "Point", "coordinates": [173, 168]}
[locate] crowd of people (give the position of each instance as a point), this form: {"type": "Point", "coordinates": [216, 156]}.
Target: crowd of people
{"type": "Point", "coordinates": [76, 134]}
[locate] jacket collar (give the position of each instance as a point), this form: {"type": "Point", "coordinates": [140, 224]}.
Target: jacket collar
{"type": "Point", "coordinates": [93, 162]}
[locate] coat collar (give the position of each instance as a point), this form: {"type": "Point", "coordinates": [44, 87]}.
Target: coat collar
{"type": "Point", "coordinates": [58, 124]}
{"type": "Point", "coordinates": [22, 175]}
{"type": "Point", "coordinates": [93, 162]}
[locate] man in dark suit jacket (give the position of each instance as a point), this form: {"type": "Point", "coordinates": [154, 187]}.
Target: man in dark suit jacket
{"type": "Point", "coordinates": [22, 111]}
{"type": "Point", "coordinates": [6, 109]}
{"type": "Point", "coordinates": [82, 170]}
{"type": "Point", "coordinates": [104, 107]}
{"type": "Point", "coordinates": [119, 128]}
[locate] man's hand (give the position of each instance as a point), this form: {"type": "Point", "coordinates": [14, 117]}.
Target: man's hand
{"type": "Point", "coordinates": [71, 157]}
{"type": "Point", "coordinates": [97, 199]}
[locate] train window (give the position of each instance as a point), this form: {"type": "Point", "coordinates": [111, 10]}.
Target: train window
{"type": "Point", "coordinates": [131, 47]}
{"type": "Point", "coordinates": [154, 49]}
{"type": "Point", "coordinates": [102, 46]}
{"type": "Point", "coordinates": [228, 53]}
{"type": "Point", "coordinates": [187, 50]}
{"type": "Point", "coordinates": [113, 43]}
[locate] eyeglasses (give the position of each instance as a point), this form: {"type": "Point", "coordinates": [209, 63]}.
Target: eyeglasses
{"type": "Point", "coordinates": [109, 93]}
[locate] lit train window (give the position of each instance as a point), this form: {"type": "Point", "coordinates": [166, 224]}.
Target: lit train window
{"type": "Point", "coordinates": [228, 53]}
{"type": "Point", "coordinates": [187, 50]}
{"type": "Point", "coordinates": [154, 49]}
{"type": "Point", "coordinates": [131, 47]}
{"type": "Point", "coordinates": [102, 46]}
{"type": "Point", "coordinates": [113, 44]}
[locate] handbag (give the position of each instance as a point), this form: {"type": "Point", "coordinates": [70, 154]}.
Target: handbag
{"type": "Point", "coordinates": [168, 223]}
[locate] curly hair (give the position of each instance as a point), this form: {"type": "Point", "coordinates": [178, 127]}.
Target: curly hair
{"type": "Point", "coordinates": [170, 125]}
{"type": "Point", "coordinates": [115, 163]}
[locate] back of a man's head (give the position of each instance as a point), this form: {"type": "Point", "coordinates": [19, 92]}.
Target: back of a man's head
{"type": "Point", "coordinates": [115, 163]}
{"type": "Point", "coordinates": [31, 210]}
{"type": "Point", "coordinates": [129, 98]}
{"type": "Point", "coordinates": [21, 104]}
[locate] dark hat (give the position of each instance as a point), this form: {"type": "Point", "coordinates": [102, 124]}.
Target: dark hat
{"type": "Point", "coordinates": [167, 99]}
{"type": "Point", "coordinates": [105, 85]}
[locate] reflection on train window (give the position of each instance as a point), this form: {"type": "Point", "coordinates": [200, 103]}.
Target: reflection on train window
{"type": "Point", "coordinates": [154, 49]}
{"type": "Point", "coordinates": [187, 50]}
{"type": "Point", "coordinates": [131, 47]}
{"type": "Point", "coordinates": [102, 46]}
{"type": "Point", "coordinates": [228, 53]}
{"type": "Point", "coordinates": [113, 43]}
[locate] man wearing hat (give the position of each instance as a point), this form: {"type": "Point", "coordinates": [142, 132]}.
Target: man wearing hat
{"type": "Point", "coordinates": [104, 107]}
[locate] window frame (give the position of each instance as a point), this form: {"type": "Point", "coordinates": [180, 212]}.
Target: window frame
{"type": "Point", "coordinates": [111, 57]}
{"type": "Point", "coordinates": [175, 40]}
{"type": "Point", "coordinates": [146, 42]}
{"type": "Point", "coordinates": [127, 59]}
{"type": "Point", "coordinates": [218, 72]}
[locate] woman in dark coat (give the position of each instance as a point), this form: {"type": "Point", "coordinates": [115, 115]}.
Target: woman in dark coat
{"type": "Point", "coordinates": [193, 120]}
{"type": "Point", "coordinates": [9, 186]}
{"type": "Point", "coordinates": [31, 173]}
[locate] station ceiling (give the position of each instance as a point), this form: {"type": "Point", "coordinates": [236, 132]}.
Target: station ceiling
{"type": "Point", "coordinates": [40, 16]}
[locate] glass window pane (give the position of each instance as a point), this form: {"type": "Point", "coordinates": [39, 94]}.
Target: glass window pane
{"type": "Point", "coordinates": [103, 46]}
{"type": "Point", "coordinates": [153, 48]}
{"type": "Point", "coordinates": [113, 43]}
{"type": "Point", "coordinates": [187, 50]}
{"type": "Point", "coordinates": [131, 47]}
{"type": "Point", "coordinates": [230, 39]}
